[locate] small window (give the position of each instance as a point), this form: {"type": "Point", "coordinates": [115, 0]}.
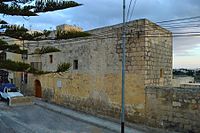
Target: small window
{"type": "Point", "coordinates": [161, 73]}
{"type": "Point", "coordinates": [51, 58]}
{"type": "Point", "coordinates": [75, 65]}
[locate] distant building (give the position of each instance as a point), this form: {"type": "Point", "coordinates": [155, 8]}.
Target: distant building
{"type": "Point", "coordinates": [190, 85]}
{"type": "Point", "coordinates": [66, 27]}
{"type": "Point", "coordinates": [11, 41]}
{"type": "Point", "coordinates": [178, 80]}
{"type": "Point", "coordinates": [10, 56]}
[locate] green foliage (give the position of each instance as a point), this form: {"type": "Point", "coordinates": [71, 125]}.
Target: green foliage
{"type": "Point", "coordinates": [19, 67]}
{"type": "Point", "coordinates": [16, 31]}
{"type": "Point", "coordinates": [14, 9]}
{"type": "Point", "coordinates": [197, 76]}
{"type": "Point", "coordinates": [15, 66]}
{"type": "Point", "coordinates": [63, 67]}
{"type": "Point", "coordinates": [3, 42]}
{"type": "Point", "coordinates": [45, 50]}
{"type": "Point", "coordinates": [3, 22]}
{"type": "Point", "coordinates": [186, 73]}
{"type": "Point", "coordinates": [70, 34]}
{"type": "Point", "coordinates": [11, 48]}
{"type": "Point", "coordinates": [52, 6]}
{"type": "Point", "coordinates": [19, 32]}
{"type": "Point", "coordinates": [46, 32]}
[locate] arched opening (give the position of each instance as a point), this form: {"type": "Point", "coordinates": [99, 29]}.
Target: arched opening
{"type": "Point", "coordinates": [38, 89]}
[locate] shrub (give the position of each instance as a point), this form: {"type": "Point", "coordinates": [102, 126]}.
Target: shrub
{"type": "Point", "coordinates": [63, 67]}
{"type": "Point", "coordinates": [70, 34]}
{"type": "Point", "coordinates": [45, 50]}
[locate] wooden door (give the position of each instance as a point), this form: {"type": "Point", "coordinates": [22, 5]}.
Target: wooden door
{"type": "Point", "coordinates": [38, 89]}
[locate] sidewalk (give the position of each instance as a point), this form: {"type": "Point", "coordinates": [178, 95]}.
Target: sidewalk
{"type": "Point", "coordinates": [86, 118]}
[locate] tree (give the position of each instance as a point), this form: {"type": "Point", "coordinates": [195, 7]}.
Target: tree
{"type": "Point", "coordinates": [32, 8]}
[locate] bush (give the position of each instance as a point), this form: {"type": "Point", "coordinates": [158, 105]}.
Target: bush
{"type": "Point", "coordinates": [45, 50]}
{"type": "Point", "coordinates": [70, 34]}
{"type": "Point", "coordinates": [63, 67]}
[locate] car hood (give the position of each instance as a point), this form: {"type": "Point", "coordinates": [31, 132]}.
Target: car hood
{"type": "Point", "coordinates": [14, 94]}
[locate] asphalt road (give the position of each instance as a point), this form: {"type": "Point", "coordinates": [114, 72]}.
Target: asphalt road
{"type": "Point", "coordinates": [35, 119]}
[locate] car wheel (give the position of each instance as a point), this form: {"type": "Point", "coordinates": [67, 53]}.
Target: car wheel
{"type": "Point", "coordinates": [1, 98]}
{"type": "Point", "coordinates": [8, 101]}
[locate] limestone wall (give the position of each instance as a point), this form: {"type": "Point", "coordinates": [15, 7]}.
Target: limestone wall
{"type": "Point", "coordinates": [173, 108]}
{"type": "Point", "coordinates": [14, 57]}
{"type": "Point", "coordinates": [95, 94]}
{"type": "Point", "coordinates": [158, 55]}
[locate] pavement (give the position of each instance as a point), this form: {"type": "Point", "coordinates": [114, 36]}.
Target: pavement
{"type": "Point", "coordinates": [43, 117]}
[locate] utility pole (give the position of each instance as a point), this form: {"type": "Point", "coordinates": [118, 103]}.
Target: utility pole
{"type": "Point", "coordinates": [123, 66]}
{"type": "Point", "coordinates": [23, 59]}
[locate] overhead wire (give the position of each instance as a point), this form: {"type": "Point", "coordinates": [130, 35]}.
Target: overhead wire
{"type": "Point", "coordinates": [128, 12]}
{"type": "Point", "coordinates": [133, 9]}
{"type": "Point", "coordinates": [180, 19]}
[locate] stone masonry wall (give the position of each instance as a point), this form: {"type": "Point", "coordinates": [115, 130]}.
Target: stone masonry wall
{"type": "Point", "coordinates": [95, 94]}
{"type": "Point", "coordinates": [173, 108]}
{"type": "Point", "coordinates": [158, 55]}
{"type": "Point", "coordinates": [96, 86]}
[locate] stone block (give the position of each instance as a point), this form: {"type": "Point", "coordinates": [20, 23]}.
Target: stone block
{"type": "Point", "coordinates": [176, 104]}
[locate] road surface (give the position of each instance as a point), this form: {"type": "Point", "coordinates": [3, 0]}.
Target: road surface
{"type": "Point", "coordinates": [35, 119]}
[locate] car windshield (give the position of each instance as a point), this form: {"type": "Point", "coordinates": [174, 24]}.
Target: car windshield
{"type": "Point", "coordinates": [12, 90]}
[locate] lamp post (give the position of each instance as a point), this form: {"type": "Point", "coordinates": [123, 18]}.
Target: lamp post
{"type": "Point", "coordinates": [123, 67]}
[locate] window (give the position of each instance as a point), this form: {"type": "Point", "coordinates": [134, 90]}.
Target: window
{"type": "Point", "coordinates": [75, 65]}
{"type": "Point", "coordinates": [51, 58]}
{"type": "Point", "coordinates": [161, 73]}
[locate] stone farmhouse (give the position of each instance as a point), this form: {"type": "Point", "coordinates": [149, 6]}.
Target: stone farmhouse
{"type": "Point", "coordinates": [93, 82]}
{"type": "Point", "coordinates": [95, 74]}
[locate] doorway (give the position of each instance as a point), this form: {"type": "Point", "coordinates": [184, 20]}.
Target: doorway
{"type": "Point", "coordinates": [38, 89]}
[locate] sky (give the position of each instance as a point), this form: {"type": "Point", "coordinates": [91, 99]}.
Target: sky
{"type": "Point", "coordinates": [99, 13]}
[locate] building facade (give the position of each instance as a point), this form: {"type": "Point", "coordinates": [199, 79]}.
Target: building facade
{"type": "Point", "coordinates": [93, 83]}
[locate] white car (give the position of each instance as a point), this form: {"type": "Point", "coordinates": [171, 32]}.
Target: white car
{"type": "Point", "coordinates": [11, 92]}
